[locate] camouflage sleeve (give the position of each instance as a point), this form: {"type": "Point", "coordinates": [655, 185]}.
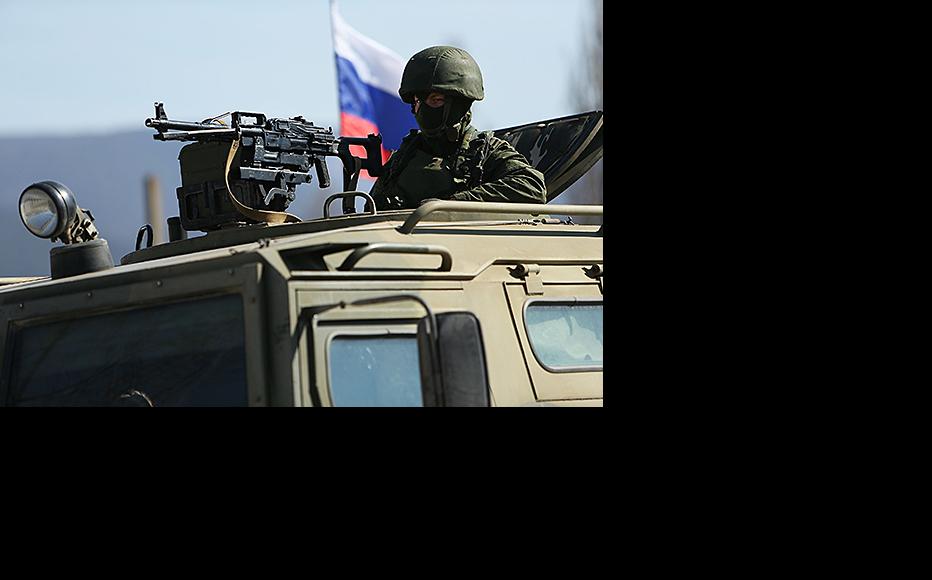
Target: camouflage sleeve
{"type": "Point", "coordinates": [507, 177]}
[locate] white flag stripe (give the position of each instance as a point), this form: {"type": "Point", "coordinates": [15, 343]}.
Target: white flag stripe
{"type": "Point", "coordinates": [376, 65]}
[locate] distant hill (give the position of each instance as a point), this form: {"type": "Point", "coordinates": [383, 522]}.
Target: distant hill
{"type": "Point", "coordinates": [106, 174]}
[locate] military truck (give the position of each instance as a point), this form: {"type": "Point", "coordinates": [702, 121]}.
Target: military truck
{"type": "Point", "coordinates": [450, 304]}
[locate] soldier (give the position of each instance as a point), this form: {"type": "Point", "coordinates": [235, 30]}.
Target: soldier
{"type": "Point", "coordinates": [448, 158]}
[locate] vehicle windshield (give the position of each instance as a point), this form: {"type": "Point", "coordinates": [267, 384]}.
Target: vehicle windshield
{"type": "Point", "coordinates": [188, 353]}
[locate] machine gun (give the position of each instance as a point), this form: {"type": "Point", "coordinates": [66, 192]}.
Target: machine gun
{"type": "Point", "coordinates": [248, 171]}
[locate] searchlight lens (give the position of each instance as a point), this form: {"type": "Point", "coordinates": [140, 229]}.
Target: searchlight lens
{"type": "Point", "coordinates": [47, 208]}
{"type": "Point", "coordinates": [38, 212]}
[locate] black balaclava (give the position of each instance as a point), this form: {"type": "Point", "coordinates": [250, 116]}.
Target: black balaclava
{"type": "Point", "coordinates": [443, 127]}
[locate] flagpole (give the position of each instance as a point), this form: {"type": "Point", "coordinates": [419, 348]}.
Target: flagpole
{"type": "Point", "coordinates": [336, 65]}
{"type": "Point", "coordinates": [336, 68]}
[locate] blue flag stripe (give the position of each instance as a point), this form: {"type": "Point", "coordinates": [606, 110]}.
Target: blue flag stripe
{"type": "Point", "coordinates": [387, 111]}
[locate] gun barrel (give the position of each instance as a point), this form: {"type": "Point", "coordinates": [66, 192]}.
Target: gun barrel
{"type": "Point", "coordinates": [166, 124]}
{"type": "Point", "coordinates": [227, 134]}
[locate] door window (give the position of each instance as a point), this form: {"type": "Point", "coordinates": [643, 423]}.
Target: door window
{"type": "Point", "coordinates": [374, 371]}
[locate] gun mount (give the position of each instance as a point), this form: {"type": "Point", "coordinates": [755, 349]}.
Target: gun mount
{"type": "Point", "coordinates": [247, 171]}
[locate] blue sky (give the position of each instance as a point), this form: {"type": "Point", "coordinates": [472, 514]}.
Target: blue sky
{"type": "Point", "coordinates": [96, 66]}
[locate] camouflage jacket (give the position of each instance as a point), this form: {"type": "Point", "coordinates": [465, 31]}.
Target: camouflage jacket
{"type": "Point", "coordinates": [483, 168]}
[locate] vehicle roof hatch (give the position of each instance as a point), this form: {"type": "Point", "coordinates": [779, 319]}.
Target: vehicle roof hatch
{"type": "Point", "coordinates": [563, 149]}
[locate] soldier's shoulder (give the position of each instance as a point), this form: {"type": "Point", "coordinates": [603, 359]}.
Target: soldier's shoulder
{"type": "Point", "coordinates": [485, 139]}
{"type": "Point", "coordinates": [498, 143]}
{"type": "Point", "coordinates": [498, 147]}
{"type": "Point", "coordinates": [494, 143]}
{"type": "Point", "coordinates": [503, 155]}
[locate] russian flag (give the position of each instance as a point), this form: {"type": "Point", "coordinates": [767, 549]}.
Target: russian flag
{"type": "Point", "coordinates": [368, 76]}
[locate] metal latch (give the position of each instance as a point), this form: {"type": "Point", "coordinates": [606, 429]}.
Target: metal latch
{"type": "Point", "coordinates": [595, 272]}
{"type": "Point", "coordinates": [533, 283]}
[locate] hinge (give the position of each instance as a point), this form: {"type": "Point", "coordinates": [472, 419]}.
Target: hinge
{"type": "Point", "coordinates": [533, 283]}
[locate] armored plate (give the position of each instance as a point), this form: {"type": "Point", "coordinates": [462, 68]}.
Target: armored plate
{"type": "Point", "coordinates": [562, 149]}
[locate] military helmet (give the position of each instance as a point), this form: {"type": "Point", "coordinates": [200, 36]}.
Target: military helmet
{"type": "Point", "coordinates": [441, 68]}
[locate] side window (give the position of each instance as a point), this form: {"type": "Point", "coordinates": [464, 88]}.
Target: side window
{"type": "Point", "coordinates": [565, 336]}
{"type": "Point", "coordinates": [374, 371]}
{"type": "Point", "coordinates": [561, 336]}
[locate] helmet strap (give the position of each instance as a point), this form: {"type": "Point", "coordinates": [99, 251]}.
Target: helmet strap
{"type": "Point", "coordinates": [452, 133]}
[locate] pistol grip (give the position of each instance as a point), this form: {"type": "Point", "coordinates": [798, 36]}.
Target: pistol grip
{"type": "Point", "coordinates": [323, 174]}
{"type": "Point", "coordinates": [373, 163]}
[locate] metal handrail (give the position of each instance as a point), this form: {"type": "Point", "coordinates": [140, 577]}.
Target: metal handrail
{"type": "Point", "coordinates": [491, 207]}
{"type": "Point", "coordinates": [344, 194]}
{"type": "Point", "coordinates": [446, 259]}
{"type": "Point", "coordinates": [20, 279]}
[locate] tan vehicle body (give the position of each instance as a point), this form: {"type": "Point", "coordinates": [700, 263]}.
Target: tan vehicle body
{"type": "Point", "coordinates": [492, 267]}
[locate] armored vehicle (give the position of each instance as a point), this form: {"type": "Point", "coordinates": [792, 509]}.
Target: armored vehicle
{"type": "Point", "coordinates": [450, 304]}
